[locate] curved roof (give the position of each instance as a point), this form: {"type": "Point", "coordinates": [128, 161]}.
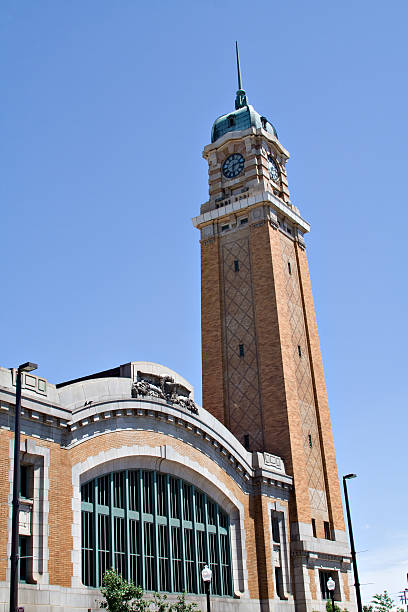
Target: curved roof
{"type": "Point", "coordinates": [240, 119]}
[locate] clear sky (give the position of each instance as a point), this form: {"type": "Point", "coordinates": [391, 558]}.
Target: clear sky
{"type": "Point", "coordinates": [105, 108]}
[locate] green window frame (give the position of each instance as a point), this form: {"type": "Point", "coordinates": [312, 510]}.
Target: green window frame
{"type": "Point", "coordinates": [156, 530]}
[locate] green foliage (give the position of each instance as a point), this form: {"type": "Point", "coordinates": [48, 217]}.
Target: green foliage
{"type": "Point", "coordinates": [183, 606]}
{"type": "Point", "coordinates": [160, 603]}
{"type": "Point", "coordinates": [329, 607]}
{"type": "Point", "coordinates": [382, 602]}
{"type": "Point", "coordinates": [368, 608]}
{"type": "Point", "coordinates": [123, 596]}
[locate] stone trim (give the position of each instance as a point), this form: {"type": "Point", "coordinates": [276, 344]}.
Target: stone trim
{"type": "Point", "coordinates": [39, 457]}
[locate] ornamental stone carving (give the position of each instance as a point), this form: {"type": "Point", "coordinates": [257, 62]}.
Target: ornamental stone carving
{"type": "Point", "coordinates": [163, 387]}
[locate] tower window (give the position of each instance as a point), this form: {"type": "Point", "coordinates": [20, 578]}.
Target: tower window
{"type": "Point", "coordinates": [310, 440]}
{"type": "Point", "coordinates": [243, 221]}
{"type": "Point", "coordinates": [241, 350]}
{"type": "Point", "coordinates": [236, 265]}
{"type": "Point", "coordinates": [314, 528]}
{"type": "Point", "coordinates": [279, 582]}
{"type": "Point", "coordinates": [224, 228]}
{"type": "Point", "coordinates": [299, 350]}
{"type": "Point", "coordinates": [231, 121]}
{"type": "Point", "coordinates": [246, 442]}
{"type": "Point", "coordinates": [275, 530]}
{"type": "Point", "coordinates": [289, 268]}
{"type": "Point", "coordinates": [327, 531]}
{"type": "Point", "coordinates": [25, 481]}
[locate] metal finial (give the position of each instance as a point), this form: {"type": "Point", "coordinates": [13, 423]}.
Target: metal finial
{"type": "Point", "coordinates": [240, 99]}
{"type": "Point", "coordinates": [238, 66]}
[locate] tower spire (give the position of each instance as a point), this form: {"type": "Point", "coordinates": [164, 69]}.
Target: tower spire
{"type": "Point", "coordinates": [238, 66]}
{"type": "Point", "coordinates": [241, 99]}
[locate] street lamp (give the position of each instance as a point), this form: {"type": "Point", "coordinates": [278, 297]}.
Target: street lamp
{"type": "Point", "coordinates": [206, 575]}
{"type": "Point", "coordinates": [331, 585]}
{"type": "Point", "coordinates": [353, 551]}
{"type": "Point", "coordinates": [25, 367]}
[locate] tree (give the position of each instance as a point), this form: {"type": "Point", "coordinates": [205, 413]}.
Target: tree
{"type": "Point", "coordinates": [382, 602]}
{"type": "Point", "coordinates": [121, 595]}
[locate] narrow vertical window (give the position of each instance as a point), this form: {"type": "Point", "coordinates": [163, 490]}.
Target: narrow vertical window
{"type": "Point", "coordinates": [314, 528]}
{"type": "Point", "coordinates": [327, 531]}
{"type": "Point", "coordinates": [241, 350]}
{"type": "Point", "coordinates": [246, 442]}
{"type": "Point", "coordinates": [236, 265]}
{"type": "Point", "coordinates": [279, 582]}
{"type": "Point", "coordinates": [310, 440]}
{"type": "Point", "coordinates": [289, 268]}
{"type": "Point", "coordinates": [275, 529]}
{"type": "Point", "coordinates": [299, 350]}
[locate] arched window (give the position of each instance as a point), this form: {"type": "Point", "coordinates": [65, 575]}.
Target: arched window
{"type": "Point", "coordinates": [156, 530]}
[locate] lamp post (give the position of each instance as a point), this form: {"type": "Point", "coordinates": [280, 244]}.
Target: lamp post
{"type": "Point", "coordinates": [25, 367]}
{"type": "Point", "coordinates": [353, 551]}
{"type": "Point", "coordinates": [206, 575]}
{"type": "Point", "coordinates": [331, 585]}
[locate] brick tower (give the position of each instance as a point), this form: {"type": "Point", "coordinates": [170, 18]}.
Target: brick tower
{"type": "Point", "coordinates": [262, 369]}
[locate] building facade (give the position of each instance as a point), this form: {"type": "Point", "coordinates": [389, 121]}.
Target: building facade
{"type": "Point", "coordinates": [123, 469]}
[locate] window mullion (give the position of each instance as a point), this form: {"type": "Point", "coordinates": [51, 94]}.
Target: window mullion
{"type": "Point", "coordinates": [112, 522]}
{"type": "Point", "coordinates": [96, 532]}
{"type": "Point", "coordinates": [156, 532]}
{"type": "Point", "coordinates": [126, 527]}
{"type": "Point", "coordinates": [141, 530]}
{"type": "Point", "coordinates": [183, 549]}
{"type": "Point", "coordinates": [197, 569]}
{"type": "Point", "coordinates": [206, 538]}
{"type": "Point", "coordinates": [230, 573]}
{"type": "Point", "coordinates": [219, 568]}
{"type": "Point", "coordinates": [169, 541]}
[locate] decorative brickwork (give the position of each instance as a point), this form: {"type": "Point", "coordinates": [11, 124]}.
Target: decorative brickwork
{"type": "Point", "coordinates": [307, 410]}
{"type": "Point", "coordinates": [244, 414]}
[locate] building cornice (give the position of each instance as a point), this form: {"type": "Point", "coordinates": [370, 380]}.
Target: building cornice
{"type": "Point", "coordinates": [250, 202]}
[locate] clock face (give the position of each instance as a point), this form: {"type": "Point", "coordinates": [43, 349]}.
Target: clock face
{"type": "Point", "coordinates": [233, 165]}
{"type": "Point", "coordinates": [273, 169]}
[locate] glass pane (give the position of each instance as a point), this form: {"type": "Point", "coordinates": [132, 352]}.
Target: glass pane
{"type": "Point", "coordinates": [104, 545]}
{"type": "Point", "coordinates": [134, 503]}
{"type": "Point", "coordinates": [148, 492]}
{"type": "Point", "coordinates": [88, 547]}
{"type": "Point", "coordinates": [119, 543]}
{"type": "Point", "coordinates": [134, 554]}
{"type": "Point", "coordinates": [178, 585]}
{"type": "Point", "coordinates": [150, 578]}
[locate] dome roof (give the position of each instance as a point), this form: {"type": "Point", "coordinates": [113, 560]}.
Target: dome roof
{"type": "Point", "coordinates": [240, 119]}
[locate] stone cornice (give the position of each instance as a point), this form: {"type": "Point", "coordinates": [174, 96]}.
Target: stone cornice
{"type": "Point", "coordinates": [261, 198]}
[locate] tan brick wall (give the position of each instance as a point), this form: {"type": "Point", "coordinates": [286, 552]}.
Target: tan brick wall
{"type": "Point", "coordinates": [312, 583]}
{"type": "Point", "coordinates": [5, 437]}
{"type": "Point", "coordinates": [283, 432]}
{"type": "Point", "coordinates": [346, 587]}
{"type": "Point", "coordinates": [211, 330]}
{"type": "Point", "coordinates": [60, 516]}
{"type": "Point", "coordinates": [324, 423]}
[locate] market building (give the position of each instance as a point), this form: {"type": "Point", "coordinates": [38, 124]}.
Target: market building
{"type": "Point", "coordinates": [123, 469]}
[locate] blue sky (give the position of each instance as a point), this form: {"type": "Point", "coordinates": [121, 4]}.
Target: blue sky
{"type": "Point", "coordinates": [105, 109]}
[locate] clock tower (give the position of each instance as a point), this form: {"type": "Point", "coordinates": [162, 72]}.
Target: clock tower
{"type": "Point", "coordinates": [262, 368]}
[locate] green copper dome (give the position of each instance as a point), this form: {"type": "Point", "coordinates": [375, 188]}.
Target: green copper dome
{"type": "Point", "coordinates": [240, 119]}
{"type": "Point", "coordinates": [244, 116]}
